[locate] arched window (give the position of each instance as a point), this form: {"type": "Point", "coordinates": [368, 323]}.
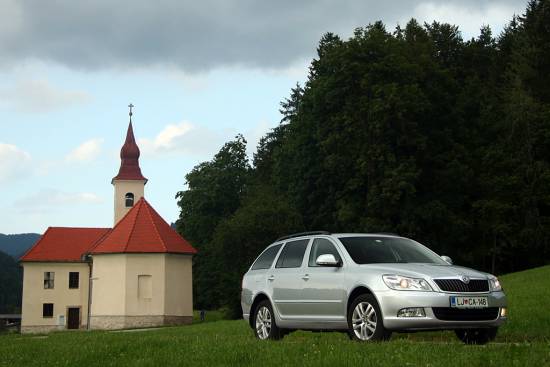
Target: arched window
{"type": "Point", "coordinates": [129, 199]}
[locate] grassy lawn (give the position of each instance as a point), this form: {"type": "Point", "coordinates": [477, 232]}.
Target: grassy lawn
{"type": "Point", "coordinates": [523, 341]}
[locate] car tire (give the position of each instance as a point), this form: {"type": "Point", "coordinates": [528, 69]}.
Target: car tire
{"type": "Point", "coordinates": [476, 336]}
{"type": "Point", "coordinates": [365, 321]}
{"type": "Point", "coordinates": [264, 324]}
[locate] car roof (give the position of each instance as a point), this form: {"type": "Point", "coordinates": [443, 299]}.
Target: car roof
{"type": "Point", "coordinates": [380, 234]}
{"type": "Point", "coordinates": [299, 236]}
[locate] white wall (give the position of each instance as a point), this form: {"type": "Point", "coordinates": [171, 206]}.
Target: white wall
{"type": "Point", "coordinates": [34, 294]}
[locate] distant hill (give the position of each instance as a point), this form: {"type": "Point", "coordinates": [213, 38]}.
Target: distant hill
{"type": "Point", "coordinates": [15, 245]}
{"type": "Point", "coordinates": [11, 284]}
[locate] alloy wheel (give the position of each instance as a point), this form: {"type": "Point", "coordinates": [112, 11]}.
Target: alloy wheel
{"type": "Point", "coordinates": [364, 320]}
{"type": "Point", "coordinates": [263, 323]}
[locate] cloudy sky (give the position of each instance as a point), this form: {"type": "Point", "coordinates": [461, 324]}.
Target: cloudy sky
{"type": "Point", "coordinates": [198, 72]}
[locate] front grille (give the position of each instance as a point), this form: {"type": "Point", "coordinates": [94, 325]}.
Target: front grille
{"type": "Point", "coordinates": [470, 314]}
{"type": "Point", "coordinates": [457, 285]}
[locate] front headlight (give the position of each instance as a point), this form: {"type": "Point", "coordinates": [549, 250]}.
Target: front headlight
{"type": "Point", "coordinates": [402, 283]}
{"type": "Point", "coordinates": [494, 284]}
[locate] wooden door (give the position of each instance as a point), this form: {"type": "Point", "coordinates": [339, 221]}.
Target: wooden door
{"type": "Point", "coordinates": [73, 318]}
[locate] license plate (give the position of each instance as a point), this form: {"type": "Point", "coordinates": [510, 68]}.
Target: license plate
{"type": "Point", "coordinates": [469, 302]}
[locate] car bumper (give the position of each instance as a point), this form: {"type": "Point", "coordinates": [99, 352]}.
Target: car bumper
{"type": "Point", "coordinates": [392, 301]}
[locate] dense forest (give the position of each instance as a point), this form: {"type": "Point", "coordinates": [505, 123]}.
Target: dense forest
{"type": "Point", "coordinates": [12, 246]}
{"type": "Point", "coordinates": [413, 130]}
{"type": "Point", "coordinates": [11, 284]}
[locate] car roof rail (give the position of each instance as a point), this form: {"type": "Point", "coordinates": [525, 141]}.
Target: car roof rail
{"type": "Point", "coordinates": [386, 233]}
{"type": "Point", "coordinates": [311, 233]}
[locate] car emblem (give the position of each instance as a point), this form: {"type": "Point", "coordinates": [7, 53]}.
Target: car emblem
{"type": "Point", "coordinates": [465, 279]}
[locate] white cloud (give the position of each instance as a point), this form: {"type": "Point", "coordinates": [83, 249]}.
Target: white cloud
{"type": "Point", "coordinates": [470, 17]}
{"type": "Point", "coordinates": [38, 96]}
{"type": "Point", "coordinates": [52, 199]}
{"type": "Point", "coordinates": [14, 163]}
{"type": "Point", "coordinates": [86, 151]}
{"type": "Point", "coordinates": [185, 137]}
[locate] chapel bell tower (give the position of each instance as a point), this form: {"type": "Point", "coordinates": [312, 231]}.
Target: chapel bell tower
{"type": "Point", "coordinates": [129, 183]}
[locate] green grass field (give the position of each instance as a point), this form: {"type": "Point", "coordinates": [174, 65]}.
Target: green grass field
{"type": "Point", "coordinates": [523, 341]}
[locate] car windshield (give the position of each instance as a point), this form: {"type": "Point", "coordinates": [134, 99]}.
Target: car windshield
{"type": "Point", "coordinates": [372, 250]}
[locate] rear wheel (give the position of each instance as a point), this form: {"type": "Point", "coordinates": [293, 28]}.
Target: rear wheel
{"type": "Point", "coordinates": [264, 322]}
{"type": "Point", "coordinates": [365, 320]}
{"type": "Point", "coordinates": [476, 336]}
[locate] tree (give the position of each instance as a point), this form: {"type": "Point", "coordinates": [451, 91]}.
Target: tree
{"type": "Point", "coordinates": [214, 192]}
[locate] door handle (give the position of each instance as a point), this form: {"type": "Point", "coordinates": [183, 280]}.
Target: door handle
{"type": "Point", "coordinates": [271, 278]}
{"type": "Point", "coordinates": [305, 277]}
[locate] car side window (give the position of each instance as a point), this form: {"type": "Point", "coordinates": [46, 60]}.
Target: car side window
{"type": "Point", "coordinates": [265, 260]}
{"type": "Point", "coordinates": [322, 246]}
{"type": "Point", "coordinates": [292, 254]}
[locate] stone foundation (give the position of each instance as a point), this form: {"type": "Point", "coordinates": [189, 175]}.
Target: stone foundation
{"type": "Point", "coordinates": [40, 329]}
{"type": "Point", "coordinates": [133, 322]}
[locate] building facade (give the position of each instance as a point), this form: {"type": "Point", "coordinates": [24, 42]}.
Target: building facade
{"type": "Point", "coordinates": [136, 274]}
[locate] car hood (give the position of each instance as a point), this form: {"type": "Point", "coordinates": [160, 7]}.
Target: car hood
{"type": "Point", "coordinates": [426, 270]}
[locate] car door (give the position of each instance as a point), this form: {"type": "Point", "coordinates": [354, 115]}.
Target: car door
{"type": "Point", "coordinates": [255, 280]}
{"type": "Point", "coordinates": [323, 286]}
{"type": "Point", "coordinates": [285, 280]}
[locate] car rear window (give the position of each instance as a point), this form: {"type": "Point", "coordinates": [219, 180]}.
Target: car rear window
{"type": "Point", "coordinates": [265, 260]}
{"type": "Point", "coordinates": [292, 254]}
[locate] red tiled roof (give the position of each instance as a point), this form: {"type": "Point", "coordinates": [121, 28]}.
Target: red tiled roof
{"type": "Point", "coordinates": [129, 159]}
{"type": "Point", "coordinates": [142, 230]}
{"type": "Point", "coordinates": [64, 244]}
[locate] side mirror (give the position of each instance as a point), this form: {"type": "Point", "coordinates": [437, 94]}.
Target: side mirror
{"type": "Point", "coordinates": [447, 259]}
{"type": "Point", "coordinates": [327, 260]}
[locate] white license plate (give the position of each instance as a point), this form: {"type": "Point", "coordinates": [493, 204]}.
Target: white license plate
{"type": "Point", "coordinates": [469, 302]}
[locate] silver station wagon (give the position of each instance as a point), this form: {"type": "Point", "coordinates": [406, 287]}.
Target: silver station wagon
{"type": "Point", "coordinates": [368, 285]}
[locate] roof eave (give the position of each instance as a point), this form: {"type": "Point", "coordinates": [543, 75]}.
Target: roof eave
{"type": "Point", "coordinates": [144, 253]}
{"type": "Point", "coordinates": [52, 261]}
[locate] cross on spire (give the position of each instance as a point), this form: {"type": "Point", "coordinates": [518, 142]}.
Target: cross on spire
{"type": "Point", "coordinates": [130, 114]}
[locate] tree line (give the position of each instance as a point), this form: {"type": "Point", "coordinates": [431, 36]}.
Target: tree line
{"type": "Point", "coordinates": [413, 130]}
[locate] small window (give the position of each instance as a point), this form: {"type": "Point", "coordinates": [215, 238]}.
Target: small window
{"type": "Point", "coordinates": [265, 260]}
{"type": "Point", "coordinates": [322, 246]}
{"type": "Point", "coordinates": [292, 254]}
{"type": "Point", "coordinates": [145, 286]}
{"type": "Point", "coordinates": [129, 200]}
{"type": "Point", "coordinates": [74, 279]}
{"type": "Point", "coordinates": [49, 277]}
{"type": "Point", "coordinates": [47, 310]}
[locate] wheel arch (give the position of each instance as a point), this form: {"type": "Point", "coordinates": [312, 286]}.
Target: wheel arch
{"type": "Point", "coordinates": [356, 292]}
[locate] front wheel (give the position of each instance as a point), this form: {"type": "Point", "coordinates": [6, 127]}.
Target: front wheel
{"type": "Point", "coordinates": [477, 336]}
{"type": "Point", "coordinates": [264, 322]}
{"type": "Point", "coordinates": [365, 320]}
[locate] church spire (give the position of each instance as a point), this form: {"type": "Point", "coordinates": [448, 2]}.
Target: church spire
{"type": "Point", "coordinates": [129, 183]}
{"type": "Point", "coordinates": [129, 156]}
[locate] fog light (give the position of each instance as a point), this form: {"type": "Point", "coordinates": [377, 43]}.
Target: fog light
{"type": "Point", "coordinates": [411, 312]}
{"type": "Point", "coordinates": [503, 312]}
